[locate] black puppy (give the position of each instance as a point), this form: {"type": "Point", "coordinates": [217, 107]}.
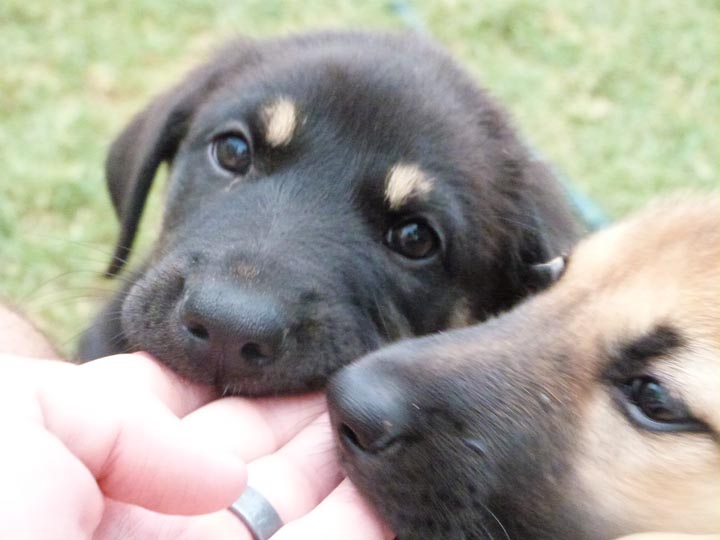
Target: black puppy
{"type": "Point", "coordinates": [328, 193]}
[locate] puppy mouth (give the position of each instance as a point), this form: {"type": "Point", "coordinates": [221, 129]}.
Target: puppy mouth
{"type": "Point", "coordinates": [292, 370]}
{"type": "Point", "coordinates": [418, 510]}
{"type": "Point", "coordinates": [260, 351]}
{"type": "Point", "coordinates": [416, 464]}
{"type": "Point", "coordinates": [419, 506]}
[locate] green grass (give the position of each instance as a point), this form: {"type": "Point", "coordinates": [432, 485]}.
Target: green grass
{"type": "Point", "coordinates": [623, 96]}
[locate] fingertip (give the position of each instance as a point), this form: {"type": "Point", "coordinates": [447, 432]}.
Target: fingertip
{"type": "Point", "coordinates": [343, 514]}
{"type": "Point", "coordinates": [223, 483]}
{"type": "Point", "coordinates": [156, 464]}
{"type": "Point", "coordinates": [133, 372]}
{"type": "Point", "coordinates": [206, 482]}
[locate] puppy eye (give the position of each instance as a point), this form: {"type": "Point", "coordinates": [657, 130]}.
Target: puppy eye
{"type": "Point", "coordinates": [649, 404]}
{"type": "Point", "coordinates": [413, 238]}
{"type": "Point", "coordinates": [232, 153]}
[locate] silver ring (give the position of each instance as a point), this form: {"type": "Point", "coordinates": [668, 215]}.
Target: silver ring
{"type": "Point", "coordinates": [258, 515]}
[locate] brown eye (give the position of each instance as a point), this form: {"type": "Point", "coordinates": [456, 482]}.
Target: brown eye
{"type": "Point", "coordinates": [232, 153]}
{"type": "Point", "coordinates": [656, 403]}
{"type": "Point", "coordinates": [413, 238]}
{"type": "Point", "coordinates": [650, 405]}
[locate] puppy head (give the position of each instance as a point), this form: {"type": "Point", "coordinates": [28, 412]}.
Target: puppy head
{"type": "Point", "coordinates": [590, 411]}
{"type": "Point", "coordinates": [327, 194]}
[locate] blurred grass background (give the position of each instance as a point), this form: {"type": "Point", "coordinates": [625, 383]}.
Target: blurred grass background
{"type": "Point", "coordinates": [622, 95]}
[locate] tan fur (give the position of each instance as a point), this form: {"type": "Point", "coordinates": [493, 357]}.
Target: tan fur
{"type": "Point", "coordinates": [280, 118]}
{"type": "Point", "coordinates": [461, 315]}
{"type": "Point", "coordinates": [662, 267]}
{"type": "Point", "coordinates": [246, 272]}
{"type": "Point", "coordinates": [406, 180]}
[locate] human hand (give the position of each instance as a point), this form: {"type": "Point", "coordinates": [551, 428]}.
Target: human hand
{"type": "Point", "coordinates": [104, 443]}
{"type": "Point", "coordinates": [288, 445]}
{"type": "Point", "coordinates": [76, 435]}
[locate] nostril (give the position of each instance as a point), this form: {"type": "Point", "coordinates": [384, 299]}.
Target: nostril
{"type": "Point", "coordinates": [350, 437]}
{"type": "Point", "coordinates": [197, 330]}
{"type": "Point", "coordinates": [257, 353]}
{"type": "Point", "coordinates": [370, 412]}
{"type": "Point", "coordinates": [371, 442]}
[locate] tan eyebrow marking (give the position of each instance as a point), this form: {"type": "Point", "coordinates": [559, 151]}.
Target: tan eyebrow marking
{"type": "Point", "coordinates": [280, 119]}
{"type": "Point", "coordinates": [246, 271]}
{"type": "Point", "coordinates": [405, 180]}
{"type": "Point", "coordinates": [461, 315]}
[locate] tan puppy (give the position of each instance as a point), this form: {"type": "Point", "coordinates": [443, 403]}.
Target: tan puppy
{"type": "Point", "coordinates": [590, 412]}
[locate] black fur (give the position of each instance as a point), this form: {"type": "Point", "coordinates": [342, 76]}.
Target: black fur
{"type": "Point", "coordinates": [310, 218]}
{"type": "Point", "coordinates": [479, 432]}
{"type": "Point", "coordinates": [661, 340]}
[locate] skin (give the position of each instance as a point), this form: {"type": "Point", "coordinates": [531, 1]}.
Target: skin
{"type": "Point", "coordinates": [20, 337]}
{"type": "Point", "coordinates": [94, 464]}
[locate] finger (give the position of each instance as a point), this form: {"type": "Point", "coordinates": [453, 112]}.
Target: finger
{"type": "Point", "coordinates": [20, 382]}
{"type": "Point", "coordinates": [299, 475]}
{"type": "Point", "coordinates": [133, 372]}
{"type": "Point", "coordinates": [343, 514]}
{"type": "Point", "coordinates": [254, 428]}
{"type": "Point", "coordinates": [136, 447]}
{"type": "Point", "coordinates": [294, 479]}
{"type": "Point", "coordinates": [122, 521]}
{"type": "Point", "coordinates": [44, 488]}
{"type": "Point", "coordinates": [140, 372]}
{"type": "Point", "coordinates": [29, 372]}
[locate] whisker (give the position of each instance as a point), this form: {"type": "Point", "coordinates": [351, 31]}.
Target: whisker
{"type": "Point", "coordinates": [487, 510]}
{"type": "Point", "coordinates": [100, 248]}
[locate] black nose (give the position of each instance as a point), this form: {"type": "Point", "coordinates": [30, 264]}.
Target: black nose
{"type": "Point", "coordinates": [369, 410]}
{"type": "Point", "coordinates": [231, 324]}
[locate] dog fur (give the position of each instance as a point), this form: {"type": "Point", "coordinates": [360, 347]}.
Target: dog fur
{"type": "Point", "coordinates": [548, 422]}
{"type": "Point", "coordinates": [267, 279]}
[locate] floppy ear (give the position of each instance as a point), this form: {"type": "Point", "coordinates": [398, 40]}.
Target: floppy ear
{"type": "Point", "coordinates": [543, 275]}
{"type": "Point", "coordinates": [530, 243]}
{"type": "Point", "coordinates": [540, 227]}
{"type": "Point", "coordinates": [553, 224]}
{"type": "Point", "coordinates": [153, 137]}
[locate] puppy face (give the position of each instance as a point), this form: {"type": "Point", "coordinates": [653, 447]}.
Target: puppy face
{"type": "Point", "coordinates": [590, 411]}
{"type": "Point", "coordinates": [327, 194]}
